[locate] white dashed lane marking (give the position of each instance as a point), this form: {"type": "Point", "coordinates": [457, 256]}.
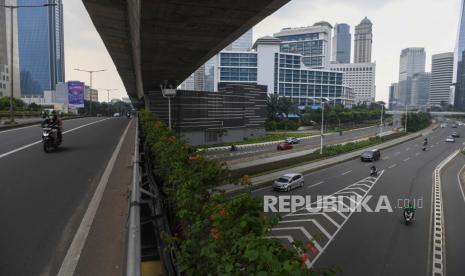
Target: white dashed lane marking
{"type": "Point", "coordinates": [392, 166]}
{"type": "Point", "coordinates": [347, 172]}
{"type": "Point", "coordinates": [406, 159]}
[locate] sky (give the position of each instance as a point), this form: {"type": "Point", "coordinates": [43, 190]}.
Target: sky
{"type": "Point", "coordinates": [397, 24]}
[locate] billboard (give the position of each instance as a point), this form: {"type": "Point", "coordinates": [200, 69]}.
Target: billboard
{"type": "Point", "coordinates": [76, 94]}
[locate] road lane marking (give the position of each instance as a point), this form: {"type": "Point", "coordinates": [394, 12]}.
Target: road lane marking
{"type": "Point", "coordinates": [437, 247]}
{"type": "Point", "coordinates": [68, 267]}
{"type": "Point", "coordinates": [392, 166]}
{"type": "Point", "coordinates": [460, 182]}
{"type": "Point", "coordinates": [397, 153]}
{"type": "Point", "coordinates": [406, 159]}
{"type": "Point", "coordinates": [19, 128]}
{"type": "Point", "coordinates": [347, 172]}
{"type": "Point", "coordinates": [416, 154]}
{"type": "Point", "coordinates": [314, 185]}
{"type": "Point", "coordinates": [40, 141]}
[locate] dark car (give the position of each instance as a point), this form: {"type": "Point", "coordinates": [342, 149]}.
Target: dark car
{"type": "Point", "coordinates": [455, 134]}
{"type": "Point", "coordinates": [292, 140]}
{"type": "Point", "coordinates": [370, 155]}
{"type": "Point", "coordinates": [284, 146]}
{"type": "Point", "coordinates": [454, 126]}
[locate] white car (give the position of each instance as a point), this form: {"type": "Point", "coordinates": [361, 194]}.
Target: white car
{"type": "Point", "coordinates": [116, 114]}
{"type": "Point", "coordinates": [288, 182]}
{"type": "Point", "coordinates": [292, 140]}
{"type": "Point", "coordinates": [443, 125]}
{"type": "Point", "coordinates": [450, 139]}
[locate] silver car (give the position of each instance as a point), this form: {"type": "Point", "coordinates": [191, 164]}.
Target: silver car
{"type": "Point", "coordinates": [288, 182]}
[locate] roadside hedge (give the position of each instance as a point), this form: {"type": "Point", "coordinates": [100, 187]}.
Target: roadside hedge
{"type": "Point", "coordinates": [213, 234]}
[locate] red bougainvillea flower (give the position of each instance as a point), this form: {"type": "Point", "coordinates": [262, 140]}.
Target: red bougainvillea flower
{"type": "Point", "coordinates": [222, 212]}
{"type": "Point", "coordinates": [215, 233]}
{"type": "Point", "coordinates": [303, 258]}
{"type": "Point", "coordinates": [310, 245]}
{"type": "Point", "coordinates": [312, 248]}
{"type": "Point", "coordinates": [194, 157]}
{"type": "Point", "coordinates": [245, 179]}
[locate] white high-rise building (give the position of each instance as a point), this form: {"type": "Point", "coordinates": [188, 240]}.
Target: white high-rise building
{"type": "Point", "coordinates": [361, 77]}
{"type": "Point", "coordinates": [5, 51]}
{"type": "Point", "coordinates": [313, 43]}
{"type": "Point", "coordinates": [363, 41]}
{"type": "Point", "coordinates": [442, 71]}
{"type": "Point", "coordinates": [412, 61]}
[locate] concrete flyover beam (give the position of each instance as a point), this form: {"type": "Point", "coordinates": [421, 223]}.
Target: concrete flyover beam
{"type": "Point", "coordinates": [162, 42]}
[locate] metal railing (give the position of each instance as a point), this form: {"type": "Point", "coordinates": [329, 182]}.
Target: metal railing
{"type": "Point", "coordinates": [133, 252]}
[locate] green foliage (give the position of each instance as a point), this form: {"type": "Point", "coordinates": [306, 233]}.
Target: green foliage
{"type": "Point", "coordinates": [17, 104]}
{"type": "Point", "coordinates": [417, 121]}
{"type": "Point", "coordinates": [214, 234]}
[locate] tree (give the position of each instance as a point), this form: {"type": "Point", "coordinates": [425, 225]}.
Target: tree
{"type": "Point", "coordinates": [272, 106]}
{"type": "Point", "coordinates": [287, 105]}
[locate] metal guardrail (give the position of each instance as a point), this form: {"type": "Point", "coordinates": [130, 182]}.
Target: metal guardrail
{"type": "Point", "coordinates": [133, 253]}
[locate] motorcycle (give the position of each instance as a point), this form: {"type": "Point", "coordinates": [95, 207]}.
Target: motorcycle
{"type": "Point", "coordinates": [408, 217]}
{"type": "Point", "coordinates": [373, 172]}
{"type": "Point", "coordinates": [50, 139]}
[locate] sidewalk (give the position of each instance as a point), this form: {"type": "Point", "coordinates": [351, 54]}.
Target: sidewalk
{"type": "Point", "coordinates": [266, 179]}
{"type": "Point", "coordinates": [104, 250]}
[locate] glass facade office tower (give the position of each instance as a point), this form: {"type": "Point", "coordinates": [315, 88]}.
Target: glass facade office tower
{"type": "Point", "coordinates": [459, 66]}
{"type": "Point", "coordinates": [341, 43]}
{"type": "Point", "coordinates": [412, 61]}
{"type": "Point", "coordinates": [313, 43]}
{"type": "Point", "coordinates": [421, 83]}
{"type": "Point", "coordinates": [5, 51]}
{"type": "Point", "coordinates": [363, 41]}
{"type": "Point", "coordinates": [41, 46]}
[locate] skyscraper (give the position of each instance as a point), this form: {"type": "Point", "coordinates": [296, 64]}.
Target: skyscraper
{"type": "Point", "coordinates": [341, 43]}
{"type": "Point", "coordinates": [243, 43]}
{"type": "Point", "coordinates": [412, 61]}
{"type": "Point", "coordinates": [41, 46]}
{"type": "Point", "coordinates": [363, 41]}
{"type": "Point", "coordinates": [313, 43]}
{"type": "Point", "coordinates": [442, 70]}
{"type": "Point", "coordinates": [5, 51]}
{"type": "Point", "coordinates": [421, 83]}
{"type": "Point", "coordinates": [393, 96]}
{"type": "Point", "coordinates": [459, 65]}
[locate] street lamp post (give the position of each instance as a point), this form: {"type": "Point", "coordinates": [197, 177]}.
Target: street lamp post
{"type": "Point", "coordinates": [91, 72]}
{"type": "Point", "coordinates": [11, 67]}
{"type": "Point", "coordinates": [381, 123]}
{"type": "Point", "coordinates": [169, 93]}
{"type": "Point", "coordinates": [406, 117]}
{"type": "Point", "coordinates": [108, 97]}
{"type": "Point", "coordinates": [322, 123]}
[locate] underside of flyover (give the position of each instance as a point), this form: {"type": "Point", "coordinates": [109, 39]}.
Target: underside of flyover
{"type": "Point", "coordinates": [161, 42]}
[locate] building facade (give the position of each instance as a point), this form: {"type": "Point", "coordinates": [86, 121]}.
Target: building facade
{"type": "Point", "coordinates": [421, 83]}
{"type": "Point", "coordinates": [412, 61]}
{"type": "Point", "coordinates": [393, 96]}
{"type": "Point", "coordinates": [90, 94]}
{"type": "Point", "coordinates": [41, 46]}
{"type": "Point", "coordinates": [363, 41]}
{"type": "Point", "coordinates": [361, 77]}
{"type": "Point", "coordinates": [459, 65]}
{"type": "Point", "coordinates": [283, 74]}
{"type": "Point", "coordinates": [342, 41]}
{"type": "Point", "coordinates": [235, 112]}
{"type": "Point", "coordinates": [313, 43]}
{"type": "Point", "coordinates": [442, 72]}
{"type": "Point", "coordinates": [5, 52]}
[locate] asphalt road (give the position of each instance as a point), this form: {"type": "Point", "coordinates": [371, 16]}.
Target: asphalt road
{"type": "Point", "coordinates": [44, 196]}
{"type": "Point", "coordinates": [266, 150]}
{"type": "Point", "coordinates": [364, 243]}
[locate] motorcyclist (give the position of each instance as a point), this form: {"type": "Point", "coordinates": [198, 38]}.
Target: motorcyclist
{"type": "Point", "coordinates": [373, 170]}
{"type": "Point", "coordinates": [55, 123]}
{"type": "Point", "coordinates": [409, 209]}
{"type": "Point", "coordinates": [425, 141]}
{"type": "Point", "coordinates": [233, 148]}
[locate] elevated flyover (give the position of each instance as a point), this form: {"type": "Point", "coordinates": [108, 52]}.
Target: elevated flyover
{"type": "Point", "coordinates": [162, 42]}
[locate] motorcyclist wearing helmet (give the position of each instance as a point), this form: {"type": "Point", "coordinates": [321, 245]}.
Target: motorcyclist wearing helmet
{"type": "Point", "coordinates": [425, 141]}
{"type": "Point", "coordinates": [55, 123]}
{"type": "Point", "coordinates": [409, 209]}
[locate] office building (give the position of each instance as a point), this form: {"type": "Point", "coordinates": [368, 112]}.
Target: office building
{"type": "Point", "coordinates": [342, 41]}
{"type": "Point", "coordinates": [421, 83]}
{"type": "Point", "coordinates": [459, 65]}
{"type": "Point", "coordinates": [412, 61]}
{"type": "Point", "coordinates": [313, 43]}
{"type": "Point", "coordinates": [5, 52]}
{"type": "Point", "coordinates": [442, 72]}
{"type": "Point", "coordinates": [363, 41]}
{"type": "Point", "coordinates": [90, 94]}
{"type": "Point", "coordinates": [283, 74]}
{"type": "Point", "coordinates": [243, 43]}
{"type": "Point", "coordinates": [41, 46]}
{"type": "Point", "coordinates": [393, 96]}
{"type": "Point", "coordinates": [361, 77]}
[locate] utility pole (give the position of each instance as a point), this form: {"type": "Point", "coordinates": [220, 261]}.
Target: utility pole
{"type": "Point", "coordinates": [108, 97]}
{"type": "Point", "coordinates": [91, 72]}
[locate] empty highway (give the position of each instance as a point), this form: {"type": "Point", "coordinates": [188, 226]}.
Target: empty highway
{"type": "Point", "coordinates": [364, 243]}
{"type": "Point", "coordinates": [43, 197]}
